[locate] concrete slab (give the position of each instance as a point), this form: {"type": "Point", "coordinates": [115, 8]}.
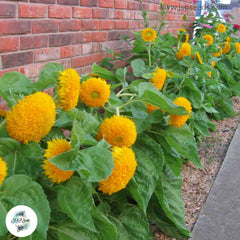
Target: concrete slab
{"type": "Point", "coordinates": [220, 216]}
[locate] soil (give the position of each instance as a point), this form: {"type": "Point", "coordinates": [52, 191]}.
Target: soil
{"type": "Point", "coordinates": [196, 182]}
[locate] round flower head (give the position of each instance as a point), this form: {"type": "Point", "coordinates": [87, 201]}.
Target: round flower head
{"type": "Point", "coordinates": [226, 48]}
{"type": "Point", "coordinates": [32, 118]}
{"type": "Point", "coordinates": [148, 35]}
{"type": "Point", "coordinates": [179, 121]}
{"type": "Point", "coordinates": [118, 131]}
{"type": "Point", "coordinates": [183, 35]}
{"type": "Point", "coordinates": [94, 92]}
{"type": "Point", "coordinates": [237, 47]}
{"type": "Point", "coordinates": [213, 64]}
{"type": "Point", "coordinates": [159, 77]}
{"type": "Point", "coordinates": [55, 147]}
{"type": "Point", "coordinates": [218, 54]}
{"type": "Point", "coordinates": [209, 74]}
{"type": "Point", "coordinates": [124, 168]}
{"type": "Point", "coordinates": [184, 50]}
{"type": "Point", "coordinates": [68, 89]}
{"type": "Point", "coordinates": [3, 170]}
{"type": "Point", "coordinates": [228, 39]}
{"type": "Point", "coordinates": [221, 28]}
{"type": "Point", "coordinates": [199, 58]}
{"type": "Point", "coordinates": [151, 108]}
{"type": "Point", "coordinates": [208, 38]}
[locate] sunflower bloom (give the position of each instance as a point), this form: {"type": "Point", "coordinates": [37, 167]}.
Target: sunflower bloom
{"type": "Point", "coordinates": [95, 92]}
{"type": "Point", "coordinates": [3, 170]}
{"type": "Point", "coordinates": [55, 147]}
{"type": "Point", "coordinates": [221, 28]}
{"type": "Point", "coordinates": [68, 89]}
{"type": "Point", "coordinates": [218, 54]}
{"type": "Point", "coordinates": [209, 74]}
{"type": "Point", "coordinates": [237, 47]}
{"type": "Point", "coordinates": [213, 64]}
{"type": "Point", "coordinates": [148, 35]}
{"type": "Point", "coordinates": [159, 77]}
{"type": "Point", "coordinates": [118, 131]}
{"type": "Point", "coordinates": [208, 38]}
{"type": "Point", "coordinates": [124, 168]}
{"type": "Point", "coordinates": [151, 108]}
{"type": "Point", "coordinates": [3, 113]}
{"type": "Point", "coordinates": [179, 121]}
{"type": "Point", "coordinates": [184, 50]}
{"type": "Point", "coordinates": [183, 35]}
{"type": "Point", "coordinates": [228, 39]}
{"type": "Point", "coordinates": [226, 48]}
{"type": "Point", "coordinates": [199, 58]}
{"type": "Point", "coordinates": [32, 118]}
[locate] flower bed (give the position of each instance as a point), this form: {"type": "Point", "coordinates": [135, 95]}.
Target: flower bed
{"type": "Point", "coordinates": [101, 158]}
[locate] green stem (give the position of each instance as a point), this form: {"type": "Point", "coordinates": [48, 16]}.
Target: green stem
{"type": "Point", "coordinates": [149, 54]}
{"type": "Point", "coordinates": [127, 103]}
{"type": "Point", "coordinates": [127, 94]}
{"type": "Point", "coordinates": [117, 111]}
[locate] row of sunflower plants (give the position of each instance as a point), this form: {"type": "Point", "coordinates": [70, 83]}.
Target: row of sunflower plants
{"type": "Point", "coordinates": [100, 157]}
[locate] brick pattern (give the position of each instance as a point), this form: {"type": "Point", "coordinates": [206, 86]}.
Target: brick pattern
{"type": "Point", "coordinates": [73, 32]}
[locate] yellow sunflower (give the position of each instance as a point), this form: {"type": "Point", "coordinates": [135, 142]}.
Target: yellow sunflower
{"type": "Point", "coordinates": [3, 170]}
{"type": "Point", "coordinates": [210, 74]}
{"type": "Point", "coordinates": [199, 58]}
{"type": "Point", "coordinates": [208, 38]}
{"type": "Point", "coordinates": [118, 131]}
{"type": "Point", "coordinates": [32, 118]}
{"type": "Point", "coordinates": [213, 64]}
{"type": "Point", "coordinates": [159, 77]}
{"type": "Point", "coordinates": [184, 50]}
{"type": "Point", "coordinates": [151, 108]}
{"type": "Point", "coordinates": [94, 92]}
{"type": "Point", "coordinates": [124, 168]}
{"type": "Point", "coordinates": [221, 28]}
{"type": "Point", "coordinates": [68, 89]}
{"type": "Point", "coordinates": [179, 121]}
{"type": "Point", "coordinates": [148, 35]}
{"type": "Point", "coordinates": [228, 39]}
{"type": "Point", "coordinates": [226, 47]}
{"type": "Point", "coordinates": [183, 35]}
{"type": "Point", "coordinates": [55, 147]}
{"type": "Point", "coordinates": [237, 47]}
{"type": "Point", "coordinates": [218, 54]}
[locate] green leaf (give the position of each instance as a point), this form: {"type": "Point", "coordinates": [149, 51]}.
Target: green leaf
{"type": "Point", "coordinates": [121, 74]}
{"type": "Point", "coordinates": [150, 161]}
{"type": "Point", "coordinates": [48, 76]}
{"type": "Point", "coordinates": [103, 73]}
{"type": "Point", "coordinates": [21, 190]}
{"type": "Point", "coordinates": [139, 46]}
{"type": "Point", "coordinates": [14, 85]}
{"type": "Point", "coordinates": [192, 93]}
{"type": "Point", "coordinates": [98, 160]}
{"type": "Point", "coordinates": [139, 68]}
{"type": "Point", "coordinates": [63, 119]}
{"type": "Point", "coordinates": [148, 93]}
{"type": "Point", "coordinates": [169, 196]}
{"type": "Point", "coordinates": [76, 200]}
{"type": "Point", "coordinates": [21, 158]}
{"type": "Point", "coordinates": [183, 141]}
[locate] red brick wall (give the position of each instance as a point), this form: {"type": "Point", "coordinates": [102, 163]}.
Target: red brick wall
{"type": "Point", "coordinates": [72, 32]}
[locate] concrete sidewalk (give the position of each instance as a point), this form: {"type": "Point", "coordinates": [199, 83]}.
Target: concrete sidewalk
{"type": "Point", "coordinates": [220, 216]}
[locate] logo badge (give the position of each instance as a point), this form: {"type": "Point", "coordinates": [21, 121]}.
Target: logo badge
{"type": "Point", "coordinates": [21, 221]}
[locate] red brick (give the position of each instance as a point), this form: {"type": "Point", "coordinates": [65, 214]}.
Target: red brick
{"type": "Point", "coordinates": [4, 106]}
{"type": "Point", "coordinates": [59, 11]}
{"type": "Point", "coordinates": [133, 5]}
{"type": "Point", "coordinates": [85, 70]}
{"type": "Point", "coordinates": [114, 35]}
{"type": "Point", "coordinates": [17, 59]}
{"type": "Point", "coordinates": [33, 70]}
{"type": "Point", "coordinates": [138, 15]}
{"type": "Point", "coordinates": [81, 12]}
{"type": "Point", "coordinates": [89, 3]}
{"type": "Point", "coordinates": [69, 25]}
{"type": "Point", "coordinates": [71, 51]}
{"type": "Point", "coordinates": [128, 14]}
{"type": "Point", "coordinates": [9, 27]}
{"type": "Point", "coordinates": [32, 10]}
{"type": "Point", "coordinates": [31, 42]}
{"type": "Point", "coordinates": [8, 10]}
{"type": "Point", "coordinates": [121, 24]}
{"type": "Point", "coordinates": [9, 44]}
{"type": "Point", "coordinates": [69, 2]}
{"type": "Point", "coordinates": [120, 4]}
{"type": "Point", "coordinates": [82, 37]}
{"type": "Point", "coordinates": [8, 70]}
{"type": "Point", "coordinates": [100, 13]}
{"type": "Point", "coordinates": [45, 26]}
{"type": "Point", "coordinates": [81, 61]}
{"type": "Point", "coordinates": [65, 62]}
{"type": "Point", "coordinates": [90, 25]}
{"type": "Point", "coordinates": [47, 54]}
{"type": "Point", "coordinates": [106, 25]}
{"type": "Point", "coordinates": [99, 36]}
{"type": "Point", "coordinates": [133, 25]}
{"type": "Point", "coordinates": [115, 14]}
{"type": "Point", "coordinates": [42, 1]}
{"type": "Point", "coordinates": [106, 3]}
{"type": "Point", "coordinates": [60, 40]}
{"type": "Point", "coordinates": [98, 57]}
